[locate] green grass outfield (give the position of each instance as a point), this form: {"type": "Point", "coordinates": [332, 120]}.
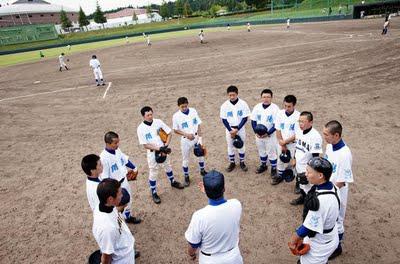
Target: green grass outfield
{"type": "Point", "coordinates": [33, 56]}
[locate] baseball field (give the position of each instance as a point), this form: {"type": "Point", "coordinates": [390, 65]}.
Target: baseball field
{"type": "Point", "coordinates": [344, 70]}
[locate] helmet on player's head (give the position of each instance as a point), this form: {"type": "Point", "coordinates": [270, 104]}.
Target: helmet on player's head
{"type": "Point", "coordinates": [238, 142]}
{"type": "Point", "coordinates": [94, 57]}
{"type": "Point", "coordinates": [198, 150]}
{"type": "Point", "coordinates": [214, 184]}
{"type": "Point", "coordinates": [261, 130]}
{"type": "Point", "coordinates": [285, 156]}
{"type": "Point", "coordinates": [288, 175]}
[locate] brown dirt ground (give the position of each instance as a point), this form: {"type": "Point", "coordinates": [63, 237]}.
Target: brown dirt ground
{"type": "Point", "coordinates": [45, 217]}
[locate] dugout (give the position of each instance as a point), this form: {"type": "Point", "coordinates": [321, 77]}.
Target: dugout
{"type": "Point", "coordinates": [378, 8]}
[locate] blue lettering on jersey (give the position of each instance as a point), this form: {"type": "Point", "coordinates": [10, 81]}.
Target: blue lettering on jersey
{"type": "Point", "coordinates": [291, 128]}
{"type": "Point", "coordinates": [148, 136]}
{"type": "Point", "coordinates": [195, 121]}
{"type": "Point", "coordinates": [282, 125]}
{"type": "Point", "coordinates": [229, 114]}
{"type": "Point", "coordinates": [185, 125]}
{"type": "Point", "coordinates": [258, 117]}
{"type": "Point", "coordinates": [270, 119]}
{"type": "Point", "coordinates": [240, 113]}
{"type": "Point", "coordinates": [114, 167]}
{"type": "Point", "coordinates": [122, 162]}
{"type": "Point", "coordinates": [334, 167]}
{"type": "Point", "coordinates": [317, 146]}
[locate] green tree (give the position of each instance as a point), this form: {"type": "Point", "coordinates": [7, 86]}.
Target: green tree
{"type": "Point", "coordinates": [187, 10]}
{"type": "Point", "coordinates": [164, 10]}
{"type": "Point", "coordinates": [257, 3]}
{"type": "Point", "coordinates": [65, 22]}
{"type": "Point", "coordinates": [149, 13]}
{"type": "Point", "coordinates": [83, 21]}
{"type": "Point", "coordinates": [179, 7]}
{"type": "Point", "coordinates": [98, 16]}
{"type": "Point", "coordinates": [134, 17]}
{"type": "Point", "coordinates": [213, 10]}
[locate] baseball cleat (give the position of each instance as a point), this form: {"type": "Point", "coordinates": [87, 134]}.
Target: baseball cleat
{"type": "Point", "coordinates": [231, 167]}
{"type": "Point", "coordinates": [203, 172]}
{"type": "Point", "coordinates": [133, 220]}
{"type": "Point", "coordinates": [177, 185]}
{"type": "Point", "coordinates": [243, 166]}
{"type": "Point", "coordinates": [261, 169]}
{"type": "Point", "coordinates": [156, 198]}
{"type": "Point", "coordinates": [187, 182]}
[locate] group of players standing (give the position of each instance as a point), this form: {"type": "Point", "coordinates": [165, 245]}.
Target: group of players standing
{"type": "Point", "coordinates": [285, 138]}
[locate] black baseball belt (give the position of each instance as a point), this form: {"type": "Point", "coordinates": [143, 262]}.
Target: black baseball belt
{"type": "Point", "coordinates": [208, 255]}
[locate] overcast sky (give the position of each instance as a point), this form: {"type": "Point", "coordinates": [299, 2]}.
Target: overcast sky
{"type": "Point", "coordinates": [89, 5]}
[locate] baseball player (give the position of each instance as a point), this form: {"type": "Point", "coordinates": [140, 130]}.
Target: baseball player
{"type": "Point", "coordinates": [264, 114]}
{"type": "Point", "coordinates": [201, 36]}
{"type": "Point", "coordinates": [308, 145]}
{"type": "Point", "coordinates": [214, 229]}
{"type": "Point", "coordinates": [319, 228]}
{"type": "Point", "coordinates": [286, 121]}
{"type": "Point", "coordinates": [148, 134]}
{"type": "Point", "coordinates": [126, 40]}
{"type": "Point", "coordinates": [339, 154]}
{"type": "Point", "coordinates": [92, 166]}
{"type": "Point", "coordinates": [116, 165]}
{"type": "Point", "coordinates": [386, 24]}
{"type": "Point", "coordinates": [186, 123]}
{"type": "Point", "coordinates": [288, 23]}
{"type": "Point", "coordinates": [148, 40]}
{"type": "Point", "coordinates": [113, 236]}
{"type": "Point", "coordinates": [234, 113]}
{"type": "Point", "coordinates": [98, 75]}
{"type": "Point", "coordinates": [62, 62]}
{"type": "Point", "coordinates": [248, 27]}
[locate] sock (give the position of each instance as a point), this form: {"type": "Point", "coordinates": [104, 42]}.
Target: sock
{"type": "Point", "coordinates": [232, 158]}
{"type": "Point", "coordinates": [280, 173]}
{"type": "Point", "coordinates": [201, 165]}
{"type": "Point", "coordinates": [273, 163]}
{"type": "Point", "coordinates": [341, 238]}
{"type": "Point", "coordinates": [264, 160]}
{"type": "Point", "coordinates": [153, 186]}
{"type": "Point", "coordinates": [241, 157]}
{"type": "Point", "coordinates": [170, 176]}
{"type": "Point", "coordinates": [97, 81]}
{"type": "Point", "coordinates": [185, 171]}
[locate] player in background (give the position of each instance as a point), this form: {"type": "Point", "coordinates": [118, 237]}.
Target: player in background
{"type": "Point", "coordinates": [61, 60]}
{"type": "Point", "coordinates": [248, 26]}
{"type": "Point", "coordinates": [234, 113]}
{"type": "Point", "coordinates": [201, 36]}
{"type": "Point", "coordinates": [187, 123]}
{"type": "Point", "coordinates": [148, 41]}
{"type": "Point", "coordinates": [98, 74]}
{"type": "Point", "coordinates": [386, 24]}
{"type": "Point", "coordinates": [339, 155]}
{"type": "Point", "coordinates": [288, 23]}
{"type": "Point", "coordinates": [264, 115]}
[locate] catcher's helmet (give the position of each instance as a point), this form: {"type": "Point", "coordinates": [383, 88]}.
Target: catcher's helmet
{"type": "Point", "coordinates": [261, 130]}
{"type": "Point", "coordinates": [198, 150]}
{"type": "Point", "coordinates": [288, 175]}
{"type": "Point", "coordinates": [214, 184]}
{"type": "Point", "coordinates": [159, 157]}
{"type": "Point", "coordinates": [285, 156]}
{"type": "Point", "coordinates": [238, 142]}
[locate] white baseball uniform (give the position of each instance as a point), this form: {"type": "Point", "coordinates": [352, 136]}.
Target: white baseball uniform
{"type": "Point", "coordinates": [248, 27]}
{"type": "Point", "coordinates": [148, 40]}
{"type": "Point", "coordinates": [286, 124]}
{"type": "Point", "coordinates": [234, 113]}
{"type": "Point", "coordinates": [148, 134]}
{"type": "Point", "coordinates": [95, 64]}
{"type": "Point", "coordinates": [216, 229]}
{"type": "Point", "coordinates": [61, 61]}
{"type": "Point", "coordinates": [288, 23]}
{"type": "Point", "coordinates": [341, 159]}
{"type": "Point", "coordinates": [114, 167]}
{"type": "Point", "coordinates": [322, 221]}
{"type": "Point", "coordinates": [201, 36]}
{"type": "Point", "coordinates": [267, 146]}
{"type": "Point", "coordinates": [91, 192]}
{"type": "Point", "coordinates": [306, 145]}
{"type": "Point", "coordinates": [187, 123]}
{"type": "Point", "coordinates": [113, 236]}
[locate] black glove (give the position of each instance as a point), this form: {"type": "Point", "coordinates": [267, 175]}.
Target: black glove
{"type": "Point", "coordinates": [165, 149]}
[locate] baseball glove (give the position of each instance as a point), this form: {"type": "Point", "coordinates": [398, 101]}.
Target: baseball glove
{"type": "Point", "coordinates": [301, 249]}
{"type": "Point", "coordinates": [132, 175]}
{"type": "Point", "coordinates": [163, 135]}
{"type": "Point", "coordinates": [165, 150]}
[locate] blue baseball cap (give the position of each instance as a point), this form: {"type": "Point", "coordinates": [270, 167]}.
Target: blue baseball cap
{"type": "Point", "coordinates": [214, 184]}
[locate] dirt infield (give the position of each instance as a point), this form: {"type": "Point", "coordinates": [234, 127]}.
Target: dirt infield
{"type": "Point", "coordinates": [338, 70]}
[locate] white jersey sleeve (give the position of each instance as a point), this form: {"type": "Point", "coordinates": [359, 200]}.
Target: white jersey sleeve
{"type": "Point", "coordinates": [314, 221]}
{"type": "Point", "coordinates": [197, 117]}
{"type": "Point", "coordinates": [106, 240]}
{"type": "Point", "coordinates": [175, 121]}
{"type": "Point", "coordinates": [166, 128]}
{"type": "Point", "coordinates": [141, 135]}
{"type": "Point", "coordinates": [193, 233]}
{"type": "Point", "coordinates": [222, 112]}
{"type": "Point", "coordinates": [345, 173]}
{"type": "Point", "coordinates": [246, 109]}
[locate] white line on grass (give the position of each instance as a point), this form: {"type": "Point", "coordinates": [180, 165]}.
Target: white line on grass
{"type": "Point", "coordinates": [36, 94]}
{"type": "Point", "coordinates": [108, 87]}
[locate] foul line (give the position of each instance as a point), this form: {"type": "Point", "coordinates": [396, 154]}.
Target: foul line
{"type": "Point", "coordinates": [36, 94]}
{"type": "Point", "coordinates": [108, 87]}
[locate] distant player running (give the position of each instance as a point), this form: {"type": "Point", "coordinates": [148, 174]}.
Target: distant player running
{"type": "Point", "coordinates": [61, 60]}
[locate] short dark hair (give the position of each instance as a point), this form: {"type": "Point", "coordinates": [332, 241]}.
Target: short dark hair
{"type": "Point", "coordinates": [321, 165]}
{"type": "Point", "coordinates": [334, 127]}
{"type": "Point", "coordinates": [89, 162]}
{"type": "Point", "coordinates": [145, 109]}
{"type": "Point", "coordinates": [109, 136]}
{"type": "Point", "coordinates": [62, 53]}
{"type": "Point", "coordinates": [182, 100]}
{"type": "Point", "coordinates": [232, 89]}
{"type": "Point", "coordinates": [290, 99]}
{"type": "Point", "coordinates": [267, 91]}
{"type": "Point", "coordinates": [309, 115]}
{"type": "Point", "coordinates": [106, 188]}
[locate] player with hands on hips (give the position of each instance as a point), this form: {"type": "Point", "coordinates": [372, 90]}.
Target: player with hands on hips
{"type": "Point", "coordinates": [339, 155]}
{"type": "Point", "coordinates": [187, 123]}
{"type": "Point", "coordinates": [263, 119]}
{"type": "Point", "coordinates": [286, 121]}
{"type": "Point", "coordinates": [234, 113]}
{"type": "Point", "coordinates": [116, 165]}
{"type": "Point", "coordinates": [214, 229]}
{"type": "Point", "coordinates": [318, 232]}
{"type": "Point", "coordinates": [157, 150]}
{"type": "Point", "coordinates": [98, 74]}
